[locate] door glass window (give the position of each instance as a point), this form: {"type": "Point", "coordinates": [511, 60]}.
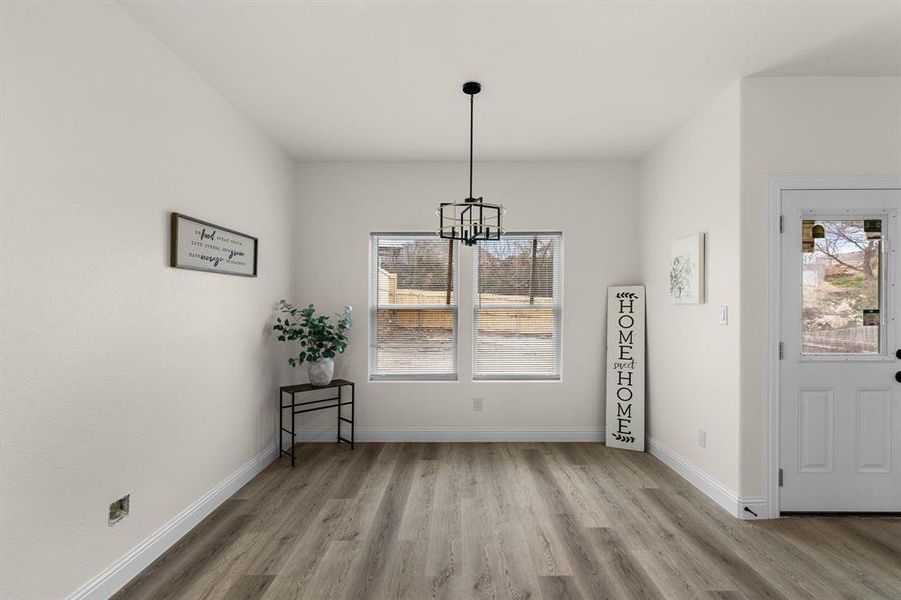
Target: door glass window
{"type": "Point", "coordinates": [841, 297]}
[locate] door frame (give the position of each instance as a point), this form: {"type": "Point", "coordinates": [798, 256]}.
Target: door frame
{"type": "Point", "coordinates": [772, 326]}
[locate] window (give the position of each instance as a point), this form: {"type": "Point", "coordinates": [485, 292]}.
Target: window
{"type": "Point", "coordinates": [841, 291]}
{"type": "Point", "coordinates": [516, 307]}
{"type": "Point", "coordinates": [413, 308]}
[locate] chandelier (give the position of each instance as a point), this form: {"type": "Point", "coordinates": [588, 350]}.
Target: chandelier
{"type": "Point", "coordinates": [472, 220]}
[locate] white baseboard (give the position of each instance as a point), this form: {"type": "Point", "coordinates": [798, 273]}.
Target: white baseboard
{"type": "Point", "coordinates": [754, 507]}
{"type": "Point", "coordinates": [138, 558]}
{"type": "Point", "coordinates": [451, 434]}
{"type": "Point", "coordinates": [708, 484]}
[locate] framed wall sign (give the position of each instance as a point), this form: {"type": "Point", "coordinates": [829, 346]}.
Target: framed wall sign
{"type": "Point", "coordinates": [625, 367]}
{"type": "Point", "coordinates": [202, 246]}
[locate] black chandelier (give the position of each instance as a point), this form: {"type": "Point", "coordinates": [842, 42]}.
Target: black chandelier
{"type": "Point", "coordinates": [472, 220]}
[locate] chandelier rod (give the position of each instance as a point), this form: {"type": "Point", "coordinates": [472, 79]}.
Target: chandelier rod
{"type": "Point", "coordinates": [471, 112]}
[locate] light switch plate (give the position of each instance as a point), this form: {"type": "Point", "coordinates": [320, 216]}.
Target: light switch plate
{"type": "Point", "coordinates": [724, 314]}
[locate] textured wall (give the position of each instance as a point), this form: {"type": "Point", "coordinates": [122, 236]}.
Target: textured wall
{"type": "Point", "coordinates": [593, 204]}
{"type": "Point", "coordinates": [120, 374]}
{"type": "Point", "coordinates": [691, 183]}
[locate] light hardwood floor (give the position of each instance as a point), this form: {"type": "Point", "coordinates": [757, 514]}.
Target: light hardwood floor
{"type": "Point", "coordinates": [464, 521]}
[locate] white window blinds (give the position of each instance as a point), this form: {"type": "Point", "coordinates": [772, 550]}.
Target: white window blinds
{"type": "Point", "coordinates": [517, 306]}
{"type": "Point", "coordinates": [413, 308]}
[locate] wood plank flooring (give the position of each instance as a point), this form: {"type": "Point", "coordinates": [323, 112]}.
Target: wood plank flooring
{"type": "Point", "coordinates": [517, 521]}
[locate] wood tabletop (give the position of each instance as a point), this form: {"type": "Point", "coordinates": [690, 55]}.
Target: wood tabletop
{"type": "Point", "coordinates": [309, 387]}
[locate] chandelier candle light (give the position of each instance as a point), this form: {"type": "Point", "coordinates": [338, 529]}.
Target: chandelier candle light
{"type": "Point", "coordinates": [472, 220]}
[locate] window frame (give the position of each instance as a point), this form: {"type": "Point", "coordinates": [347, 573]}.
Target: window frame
{"type": "Point", "coordinates": [374, 307]}
{"type": "Point", "coordinates": [883, 354]}
{"type": "Point", "coordinates": [557, 307]}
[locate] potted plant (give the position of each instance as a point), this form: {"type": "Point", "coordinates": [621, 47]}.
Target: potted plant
{"type": "Point", "coordinates": [320, 339]}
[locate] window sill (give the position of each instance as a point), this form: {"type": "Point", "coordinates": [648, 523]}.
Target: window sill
{"type": "Point", "coordinates": [413, 379]}
{"type": "Point", "coordinates": [517, 379]}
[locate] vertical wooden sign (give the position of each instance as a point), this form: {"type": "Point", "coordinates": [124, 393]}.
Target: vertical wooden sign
{"type": "Point", "coordinates": [625, 367]}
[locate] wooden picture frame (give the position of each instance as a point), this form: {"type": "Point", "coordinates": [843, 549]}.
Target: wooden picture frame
{"type": "Point", "coordinates": [203, 246]}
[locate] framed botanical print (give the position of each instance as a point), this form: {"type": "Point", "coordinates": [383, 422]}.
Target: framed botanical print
{"type": "Point", "coordinates": [686, 274]}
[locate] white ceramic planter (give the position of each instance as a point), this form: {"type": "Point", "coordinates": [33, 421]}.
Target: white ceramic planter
{"type": "Point", "coordinates": [321, 371]}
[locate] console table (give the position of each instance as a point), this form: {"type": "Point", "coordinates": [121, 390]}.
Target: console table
{"type": "Point", "coordinates": [293, 390]}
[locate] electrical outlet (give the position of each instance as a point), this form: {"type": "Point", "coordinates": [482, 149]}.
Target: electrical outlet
{"type": "Point", "coordinates": [477, 404]}
{"type": "Point", "coordinates": [118, 510]}
{"type": "Point", "coordinates": [702, 438]}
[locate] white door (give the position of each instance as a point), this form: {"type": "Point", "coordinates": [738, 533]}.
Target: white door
{"type": "Point", "coordinates": [840, 404]}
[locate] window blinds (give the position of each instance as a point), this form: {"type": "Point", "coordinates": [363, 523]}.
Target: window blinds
{"type": "Point", "coordinates": [413, 308]}
{"type": "Point", "coordinates": [517, 307]}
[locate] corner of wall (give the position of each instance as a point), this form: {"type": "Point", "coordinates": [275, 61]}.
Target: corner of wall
{"type": "Point", "coordinates": [690, 182]}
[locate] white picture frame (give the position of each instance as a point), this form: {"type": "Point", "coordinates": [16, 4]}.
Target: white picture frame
{"type": "Point", "coordinates": [686, 272]}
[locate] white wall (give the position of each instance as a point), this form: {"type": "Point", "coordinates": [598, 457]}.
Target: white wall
{"type": "Point", "coordinates": [594, 204]}
{"type": "Point", "coordinates": [121, 374]}
{"type": "Point", "coordinates": [711, 176]}
{"type": "Point", "coordinates": [799, 126]}
{"type": "Point", "coordinates": [690, 183]}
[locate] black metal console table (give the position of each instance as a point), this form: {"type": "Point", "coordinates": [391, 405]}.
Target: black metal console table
{"type": "Point", "coordinates": [307, 387]}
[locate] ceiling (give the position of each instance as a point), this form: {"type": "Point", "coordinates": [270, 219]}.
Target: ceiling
{"type": "Point", "coordinates": [379, 80]}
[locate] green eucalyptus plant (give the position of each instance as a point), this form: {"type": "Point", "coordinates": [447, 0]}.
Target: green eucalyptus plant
{"type": "Point", "coordinates": [318, 336]}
